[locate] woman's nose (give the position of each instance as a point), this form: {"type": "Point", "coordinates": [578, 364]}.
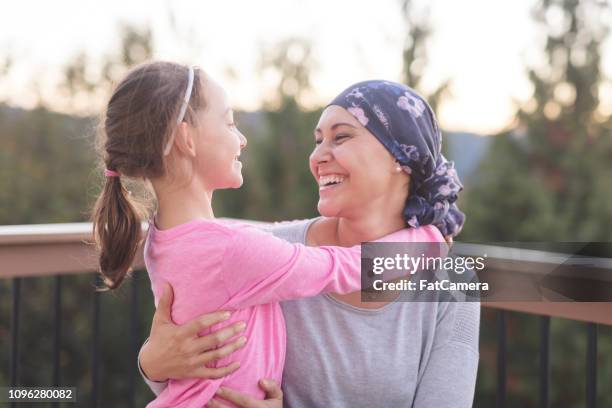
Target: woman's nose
{"type": "Point", "coordinates": [321, 153]}
{"type": "Point", "coordinates": [243, 140]}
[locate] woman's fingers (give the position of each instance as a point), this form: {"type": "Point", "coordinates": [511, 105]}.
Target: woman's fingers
{"type": "Point", "coordinates": [164, 307]}
{"type": "Point", "coordinates": [178, 352]}
{"type": "Point", "coordinates": [218, 372]}
{"type": "Point", "coordinates": [273, 391]}
{"type": "Point", "coordinates": [212, 340]}
{"type": "Point", "coordinates": [274, 397]}
{"type": "Point", "coordinates": [215, 404]}
{"type": "Point", "coordinates": [242, 400]}
{"type": "Point", "coordinates": [192, 328]}
{"type": "Point", "coordinates": [219, 353]}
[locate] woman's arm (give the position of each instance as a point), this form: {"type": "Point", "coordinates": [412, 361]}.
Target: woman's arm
{"type": "Point", "coordinates": [177, 352]}
{"type": "Point", "coordinates": [449, 377]}
{"type": "Point", "coordinates": [274, 397]}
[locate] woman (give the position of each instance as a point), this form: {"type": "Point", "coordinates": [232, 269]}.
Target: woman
{"type": "Point", "coordinates": [341, 351]}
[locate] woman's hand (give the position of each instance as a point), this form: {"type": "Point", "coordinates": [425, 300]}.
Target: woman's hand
{"type": "Point", "coordinates": [178, 352]}
{"type": "Point", "coordinates": [274, 397]}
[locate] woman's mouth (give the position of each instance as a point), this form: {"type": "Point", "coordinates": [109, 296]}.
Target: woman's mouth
{"type": "Point", "coordinates": [330, 181]}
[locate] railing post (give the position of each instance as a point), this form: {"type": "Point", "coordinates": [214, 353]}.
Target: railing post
{"type": "Point", "coordinates": [591, 366]}
{"type": "Point", "coordinates": [501, 359]}
{"type": "Point", "coordinates": [95, 381]}
{"type": "Point", "coordinates": [57, 333]}
{"type": "Point", "coordinates": [544, 361]}
{"type": "Point", "coordinates": [15, 334]}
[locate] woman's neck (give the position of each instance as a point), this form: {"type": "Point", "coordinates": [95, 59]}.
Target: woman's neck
{"type": "Point", "coordinates": [345, 231]}
{"type": "Point", "coordinates": [354, 231]}
{"type": "Point", "coordinates": [177, 206]}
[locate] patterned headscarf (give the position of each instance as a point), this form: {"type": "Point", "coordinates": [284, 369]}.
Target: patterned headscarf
{"type": "Point", "coordinates": [406, 126]}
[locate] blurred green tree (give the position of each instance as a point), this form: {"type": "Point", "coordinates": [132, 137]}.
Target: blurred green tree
{"type": "Point", "coordinates": [86, 87]}
{"type": "Point", "coordinates": [47, 175]}
{"type": "Point", "coordinates": [414, 53]}
{"type": "Point", "coordinates": [550, 168]}
{"type": "Point", "coordinates": [278, 184]}
{"type": "Point", "coordinates": [547, 179]}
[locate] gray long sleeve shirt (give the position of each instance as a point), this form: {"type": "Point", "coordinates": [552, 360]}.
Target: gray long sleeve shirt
{"type": "Point", "coordinates": [405, 354]}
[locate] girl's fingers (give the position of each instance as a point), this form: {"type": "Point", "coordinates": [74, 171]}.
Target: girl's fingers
{"type": "Point", "coordinates": [212, 340]}
{"type": "Point", "coordinates": [214, 373]}
{"type": "Point", "coordinates": [203, 322]}
{"type": "Point", "coordinates": [219, 353]}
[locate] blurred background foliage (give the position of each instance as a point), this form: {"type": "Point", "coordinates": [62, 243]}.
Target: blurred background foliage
{"type": "Point", "coordinates": [546, 178]}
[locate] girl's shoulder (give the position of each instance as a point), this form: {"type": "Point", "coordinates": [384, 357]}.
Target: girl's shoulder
{"type": "Point", "coordinates": [188, 229]}
{"type": "Point", "coordinates": [427, 233]}
{"type": "Point", "coordinates": [424, 233]}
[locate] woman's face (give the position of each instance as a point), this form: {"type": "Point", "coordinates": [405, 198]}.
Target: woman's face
{"type": "Point", "coordinates": [218, 141]}
{"type": "Point", "coordinates": [355, 173]}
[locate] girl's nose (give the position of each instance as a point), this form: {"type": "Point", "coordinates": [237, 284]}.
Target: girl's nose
{"type": "Point", "coordinates": [243, 140]}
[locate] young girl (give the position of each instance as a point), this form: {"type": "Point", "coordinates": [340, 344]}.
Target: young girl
{"type": "Point", "coordinates": [172, 126]}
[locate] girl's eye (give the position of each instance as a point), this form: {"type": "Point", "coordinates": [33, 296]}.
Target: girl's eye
{"type": "Point", "coordinates": [318, 141]}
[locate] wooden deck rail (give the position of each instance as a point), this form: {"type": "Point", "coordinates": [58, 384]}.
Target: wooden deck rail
{"type": "Point", "coordinates": [52, 249]}
{"type": "Point", "coordinates": [56, 250]}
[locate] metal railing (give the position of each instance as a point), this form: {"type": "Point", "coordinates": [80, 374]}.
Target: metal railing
{"type": "Point", "coordinates": [59, 250]}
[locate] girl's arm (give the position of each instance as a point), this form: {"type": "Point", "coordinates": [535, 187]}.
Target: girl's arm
{"type": "Point", "coordinates": [259, 268]}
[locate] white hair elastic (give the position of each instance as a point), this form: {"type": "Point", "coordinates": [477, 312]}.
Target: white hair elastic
{"type": "Point", "coordinates": [184, 105]}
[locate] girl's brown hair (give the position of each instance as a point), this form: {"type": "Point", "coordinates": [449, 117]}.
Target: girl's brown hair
{"type": "Point", "coordinates": [139, 119]}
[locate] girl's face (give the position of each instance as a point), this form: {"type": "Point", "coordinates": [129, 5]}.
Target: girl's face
{"type": "Point", "coordinates": [218, 141]}
{"type": "Point", "coordinates": [355, 173]}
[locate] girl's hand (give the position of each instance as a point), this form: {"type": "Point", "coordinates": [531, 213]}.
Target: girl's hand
{"type": "Point", "coordinates": [178, 352]}
{"type": "Point", "coordinates": [274, 397]}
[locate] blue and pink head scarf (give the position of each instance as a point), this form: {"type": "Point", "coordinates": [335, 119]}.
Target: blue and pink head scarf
{"type": "Point", "coordinates": [406, 126]}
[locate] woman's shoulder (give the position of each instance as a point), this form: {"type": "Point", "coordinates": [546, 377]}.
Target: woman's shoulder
{"type": "Point", "coordinates": [243, 232]}
{"type": "Point", "coordinates": [291, 231]}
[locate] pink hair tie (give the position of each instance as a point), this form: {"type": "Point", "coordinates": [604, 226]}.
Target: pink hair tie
{"type": "Point", "coordinates": [111, 173]}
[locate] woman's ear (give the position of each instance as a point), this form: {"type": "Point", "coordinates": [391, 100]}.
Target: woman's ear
{"type": "Point", "coordinates": [399, 170]}
{"type": "Point", "coordinates": [185, 140]}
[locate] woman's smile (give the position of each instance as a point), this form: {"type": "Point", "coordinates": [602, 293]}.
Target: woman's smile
{"type": "Point", "coordinates": [331, 181]}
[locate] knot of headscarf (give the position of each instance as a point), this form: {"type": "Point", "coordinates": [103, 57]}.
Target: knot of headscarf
{"type": "Point", "coordinates": [406, 126]}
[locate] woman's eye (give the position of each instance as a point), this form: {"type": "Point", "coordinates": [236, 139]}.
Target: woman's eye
{"type": "Point", "coordinates": [342, 136]}
{"type": "Point", "coordinates": [319, 141]}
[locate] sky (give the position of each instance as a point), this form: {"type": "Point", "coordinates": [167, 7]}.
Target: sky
{"type": "Point", "coordinates": [482, 46]}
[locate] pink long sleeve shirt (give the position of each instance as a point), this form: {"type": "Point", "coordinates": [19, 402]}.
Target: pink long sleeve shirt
{"type": "Point", "coordinates": [213, 265]}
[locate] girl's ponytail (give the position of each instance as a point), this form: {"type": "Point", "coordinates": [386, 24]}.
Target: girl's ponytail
{"type": "Point", "coordinates": [117, 231]}
{"type": "Point", "coordinates": [139, 121]}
